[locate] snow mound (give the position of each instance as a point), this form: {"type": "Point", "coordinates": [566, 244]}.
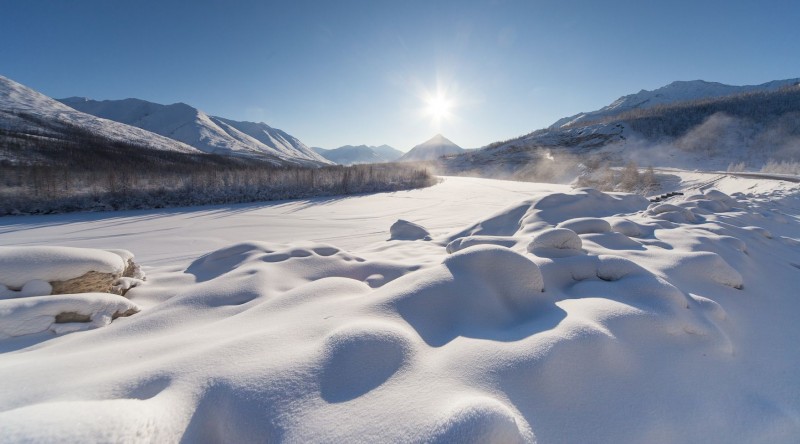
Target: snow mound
{"type": "Point", "coordinates": [673, 213]}
{"type": "Point", "coordinates": [405, 230]}
{"type": "Point", "coordinates": [477, 292]}
{"type": "Point", "coordinates": [555, 242]}
{"type": "Point", "coordinates": [290, 265]}
{"type": "Point", "coordinates": [61, 313]}
{"type": "Point", "coordinates": [555, 208]}
{"type": "Point", "coordinates": [713, 201]}
{"type": "Point", "coordinates": [626, 227]}
{"type": "Point", "coordinates": [470, 241]}
{"type": "Point", "coordinates": [584, 225]}
{"type": "Point", "coordinates": [359, 358]}
{"type": "Point", "coordinates": [480, 420]}
{"type": "Point", "coordinates": [706, 266]}
{"type": "Point", "coordinates": [546, 211]}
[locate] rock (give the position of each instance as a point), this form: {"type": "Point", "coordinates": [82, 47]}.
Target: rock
{"type": "Point", "coordinates": [94, 282]}
{"type": "Point", "coordinates": [405, 230]}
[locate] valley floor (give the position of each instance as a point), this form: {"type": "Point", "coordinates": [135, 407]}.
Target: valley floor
{"type": "Point", "coordinates": [535, 313]}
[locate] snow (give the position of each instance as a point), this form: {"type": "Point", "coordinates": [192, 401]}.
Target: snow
{"type": "Point", "coordinates": [584, 225]}
{"type": "Point", "coordinates": [303, 321]}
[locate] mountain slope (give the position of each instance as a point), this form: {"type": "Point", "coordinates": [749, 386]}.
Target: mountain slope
{"type": "Point", "coordinates": [26, 113]}
{"type": "Point", "coordinates": [432, 149]}
{"type": "Point", "coordinates": [679, 91]}
{"type": "Point", "coordinates": [351, 155]}
{"type": "Point", "coordinates": [209, 134]}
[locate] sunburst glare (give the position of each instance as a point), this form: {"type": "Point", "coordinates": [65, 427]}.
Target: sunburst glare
{"type": "Point", "coordinates": [438, 107]}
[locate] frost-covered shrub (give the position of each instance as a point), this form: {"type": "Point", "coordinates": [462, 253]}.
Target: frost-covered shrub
{"type": "Point", "coordinates": [627, 179]}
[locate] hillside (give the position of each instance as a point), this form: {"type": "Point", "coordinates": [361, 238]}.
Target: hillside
{"type": "Point", "coordinates": [679, 91]}
{"type": "Point", "coordinates": [751, 129]}
{"type": "Point", "coordinates": [30, 122]}
{"type": "Point", "coordinates": [209, 134]}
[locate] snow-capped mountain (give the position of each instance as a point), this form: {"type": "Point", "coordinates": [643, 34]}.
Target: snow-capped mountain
{"type": "Point", "coordinates": [24, 111]}
{"type": "Point", "coordinates": [679, 91]}
{"type": "Point", "coordinates": [209, 134]}
{"type": "Point", "coordinates": [432, 149]}
{"type": "Point", "coordinates": [351, 155]}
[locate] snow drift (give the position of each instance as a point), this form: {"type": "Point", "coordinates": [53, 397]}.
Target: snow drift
{"type": "Point", "coordinates": [653, 329]}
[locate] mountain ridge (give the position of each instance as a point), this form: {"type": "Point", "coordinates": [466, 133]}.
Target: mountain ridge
{"type": "Point", "coordinates": [29, 113]}
{"type": "Point", "coordinates": [359, 154]}
{"type": "Point", "coordinates": [209, 134]}
{"type": "Point", "coordinates": [677, 91]}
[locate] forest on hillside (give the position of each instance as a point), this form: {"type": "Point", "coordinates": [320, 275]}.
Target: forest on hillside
{"type": "Point", "coordinates": [42, 174]}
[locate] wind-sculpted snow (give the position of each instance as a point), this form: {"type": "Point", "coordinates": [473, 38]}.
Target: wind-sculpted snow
{"type": "Point", "coordinates": [648, 330]}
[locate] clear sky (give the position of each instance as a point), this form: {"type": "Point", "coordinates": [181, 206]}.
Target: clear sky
{"type": "Point", "coordinates": [343, 72]}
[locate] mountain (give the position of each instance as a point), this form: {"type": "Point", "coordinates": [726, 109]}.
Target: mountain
{"type": "Point", "coordinates": [678, 127]}
{"type": "Point", "coordinates": [208, 134]}
{"type": "Point", "coordinates": [29, 118]}
{"type": "Point", "coordinates": [432, 149]}
{"type": "Point", "coordinates": [351, 155]}
{"type": "Point", "coordinates": [680, 91]}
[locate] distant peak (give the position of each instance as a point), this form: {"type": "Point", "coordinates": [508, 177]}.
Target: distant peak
{"type": "Point", "coordinates": [439, 139]}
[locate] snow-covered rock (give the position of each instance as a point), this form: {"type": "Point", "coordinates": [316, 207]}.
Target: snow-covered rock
{"type": "Point", "coordinates": [39, 271]}
{"type": "Point", "coordinates": [61, 313]}
{"type": "Point", "coordinates": [405, 230]}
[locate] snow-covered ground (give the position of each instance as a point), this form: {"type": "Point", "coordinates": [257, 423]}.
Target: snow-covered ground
{"type": "Point", "coordinates": [534, 313]}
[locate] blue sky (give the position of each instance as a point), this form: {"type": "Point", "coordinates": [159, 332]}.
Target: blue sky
{"type": "Point", "coordinates": [358, 72]}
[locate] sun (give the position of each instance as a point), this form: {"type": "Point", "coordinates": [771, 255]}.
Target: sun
{"type": "Point", "coordinates": [438, 106]}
